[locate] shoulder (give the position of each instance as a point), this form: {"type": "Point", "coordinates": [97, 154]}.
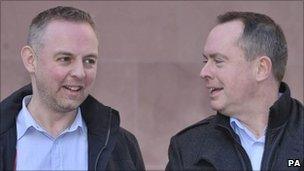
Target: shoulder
{"type": "Point", "coordinates": [10, 107]}
{"type": "Point", "coordinates": [296, 117]}
{"type": "Point", "coordinates": [127, 148]}
{"type": "Point", "coordinates": [126, 141]}
{"type": "Point", "coordinates": [194, 140]}
{"type": "Point", "coordinates": [127, 137]}
{"type": "Point", "coordinates": [201, 125]}
{"type": "Point", "coordinates": [298, 106]}
{"type": "Point", "coordinates": [194, 133]}
{"type": "Point", "coordinates": [296, 112]}
{"type": "Point", "coordinates": [127, 154]}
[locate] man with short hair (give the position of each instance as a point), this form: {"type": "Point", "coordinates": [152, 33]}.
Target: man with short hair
{"type": "Point", "coordinates": [258, 126]}
{"type": "Point", "coordinates": [54, 124]}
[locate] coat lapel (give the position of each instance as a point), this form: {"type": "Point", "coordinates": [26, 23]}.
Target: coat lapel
{"type": "Point", "coordinates": [99, 120]}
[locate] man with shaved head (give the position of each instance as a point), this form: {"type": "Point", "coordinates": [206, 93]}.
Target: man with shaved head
{"type": "Point", "coordinates": [53, 123]}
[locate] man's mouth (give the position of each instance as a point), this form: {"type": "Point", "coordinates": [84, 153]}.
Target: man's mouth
{"type": "Point", "coordinates": [73, 88]}
{"type": "Point", "coordinates": [214, 90]}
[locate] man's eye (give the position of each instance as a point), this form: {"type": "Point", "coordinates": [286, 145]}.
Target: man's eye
{"type": "Point", "coordinates": [205, 61]}
{"type": "Point", "coordinates": [64, 59]}
{"type": "Point", "coordinates": [90, 61]}
{"type": "Point", "coordinates": [217, 61]}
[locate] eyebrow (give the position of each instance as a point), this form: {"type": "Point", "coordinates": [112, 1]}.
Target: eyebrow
{"type": "Point", "coordinates": [63, 53]}
{"type": "Point", "coordinates": [214, 55]}
{"type": "Point", "coordinates": [92, 55]}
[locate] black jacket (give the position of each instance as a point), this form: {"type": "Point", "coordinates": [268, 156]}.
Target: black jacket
{"type": "Point", "coordinates": [110, 146]}
{"type": "Point", "coordinates": [211, 144]}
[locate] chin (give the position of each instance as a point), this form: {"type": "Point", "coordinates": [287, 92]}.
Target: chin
{"type": "Point", "coordinates": [66, 109]}
{"type": "Point", "coordinates": [68, 106]}
{"type": "Point", "coordinates": [216, 106]}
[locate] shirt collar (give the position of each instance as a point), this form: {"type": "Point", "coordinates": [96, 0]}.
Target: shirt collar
{"type": "Point", "coordinates": [26, 121]}
{"type": "Point", "coordinates": [78, 123]}
{"type": "Point", "coordinates": [237, 127]}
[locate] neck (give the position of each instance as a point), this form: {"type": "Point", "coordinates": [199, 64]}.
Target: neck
{"type": "Point", "coordinates": [52, 121]}
{"type": "Point", "coordinates": [256, 124]}
{"type": "Point", "coordinates": [255, 115]}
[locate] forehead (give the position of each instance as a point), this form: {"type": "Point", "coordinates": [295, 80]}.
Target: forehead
{"type": "Point", "coordinates": [68, 35]}
{"type": "Point", "coordinates": [65, 29]}
{"type": "Point", "coordinates": [223, 36]}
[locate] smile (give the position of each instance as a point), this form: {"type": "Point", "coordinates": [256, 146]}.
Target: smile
{"type": "Point", "coordinates": [73, 88]}
{"type": "Point", "coordinates": [214, 90]}
{"type": "Point", "coordinates": [211, 90]}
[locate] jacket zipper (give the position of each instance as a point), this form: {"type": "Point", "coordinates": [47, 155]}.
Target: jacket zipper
{"type": "Point", "coordinates": [265, 163]}
{"type": "Point", "coordinates": [106, 142]}
{"type": "Point", "coordinates": [240, 150]}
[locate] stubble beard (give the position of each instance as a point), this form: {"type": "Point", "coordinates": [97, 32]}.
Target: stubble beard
{"type": "Point", "coordinates": [56, 103]}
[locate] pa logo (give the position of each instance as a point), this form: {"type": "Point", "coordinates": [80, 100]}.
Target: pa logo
{"type": "Point", "coordinates": [294, 163]}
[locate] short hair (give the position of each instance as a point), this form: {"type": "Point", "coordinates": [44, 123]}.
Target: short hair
{"type": "Point", "coordinates": [261, 36]}
{"type": "Point", "coordinates": [39, 23]}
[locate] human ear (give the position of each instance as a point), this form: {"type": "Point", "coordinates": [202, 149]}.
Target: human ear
{"type": "Point", "coordinates": [28, 58]}
{"type": "Point", "coordinates": [264, 67]}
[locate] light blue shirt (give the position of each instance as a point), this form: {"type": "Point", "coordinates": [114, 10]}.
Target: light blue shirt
{"type": "Point", "coordinates": [38, 150]}
{"type": "Point", "coordinates": [254, 147]}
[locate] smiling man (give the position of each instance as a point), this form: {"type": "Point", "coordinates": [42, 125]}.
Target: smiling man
{"type": "Point", "coordinates": [54, 124]}
{"type": "Point", "coordinates": [258, 126]}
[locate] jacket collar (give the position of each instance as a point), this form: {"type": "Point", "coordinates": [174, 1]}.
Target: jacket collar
{"type": "Point", "coordinates": [10, 108]}
{"type": "Point", "coordinates": [280, 110]}
{"type": "Point", "coordinates": [278, 114]}
{"type": "Point", "coordinates": [102, 124]}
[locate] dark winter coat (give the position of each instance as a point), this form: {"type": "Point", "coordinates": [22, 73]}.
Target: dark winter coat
{"type": "Point", "coordinates": [211, 144]}
{"type": "Point", "coordinates": [110, 147]}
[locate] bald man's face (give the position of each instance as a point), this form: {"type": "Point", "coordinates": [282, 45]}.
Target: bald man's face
{"type": "Point", "coordinates": [227, 74]}
{"type": "Point", "coordinates": [66, 65]}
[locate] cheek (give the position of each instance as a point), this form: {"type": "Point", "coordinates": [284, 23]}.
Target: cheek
{"type": "Point", "coordinates": [58, 75]}
{"type": "Point", "coordinates": [55, 75]}
{"type": "Point", "coordinates": [90, 77]}
{"type": "Point", "coordinates": [242, 85]}
{"type": "Point", "coordinates": [50, 72]}
{"type": "Point", "coordinates": [236, 81]}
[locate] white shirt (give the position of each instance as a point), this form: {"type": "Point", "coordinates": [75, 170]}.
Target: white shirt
{"type": "Point", "coordinates": [254, 147]}
{"type": "Point", "coordinates": [38, 150]}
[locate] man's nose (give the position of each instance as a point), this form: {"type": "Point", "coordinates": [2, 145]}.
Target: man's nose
{"type": "Point", "coordinates": [206, 72]}
{"type": "Point", "coordinates": [78, 70]}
